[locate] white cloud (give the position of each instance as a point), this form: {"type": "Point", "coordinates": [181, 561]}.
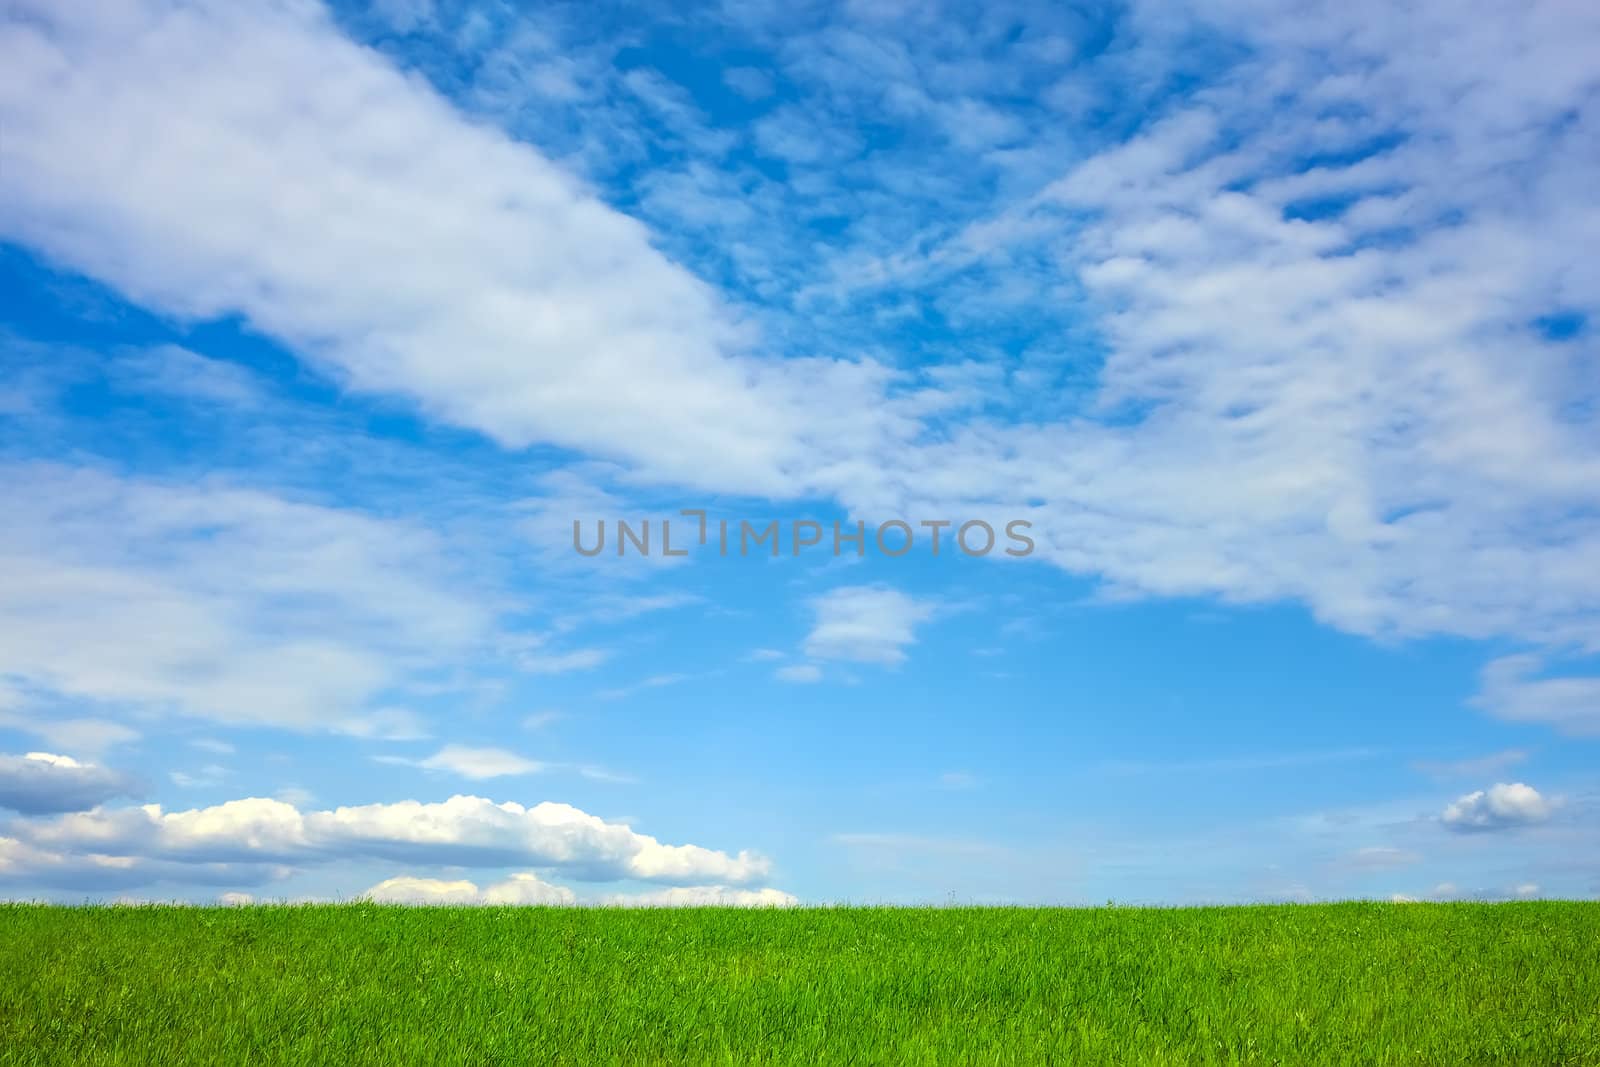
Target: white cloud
{"type": "Point", "coordinates": [654, 681]}
{"type": "Point", "coordinates": [231, 605]}
{"type": "Point", "coordinates": [1452, 891]}
{"type": "Point", "coordinates": [475, 278]}
{"type": "Point", "coordinates": [385, 724]}
{"type": "Point", "coordinates": [703, 896]}
{"type": "Point", "coordinates": [603, 774]}
{"type": "Point", "coordinates": [1510, 690]}
{"type": "Point", "coordinates": [865, 624]}
{"type": "Point", "coordinates": [29, 866]}
{"type": "Point", "coordinates": [1348, 408]}
{"type": "Point", "coordinates": [748, 82]}
{"type": "Point", "coordinates": [795, 136]}
{"type": "Point", "coordinates": [524, 888]}
{"type": "Point", "coordinates": [1342, 409]}
{"type": "Point", "coordinates": [87, 735]}
{"type": "Point", "coordinates": [1499, 807]}
{"type": "Point", "coordinates": [802, 673]}
{"type": "Point", "coordinates": [479, 763]}
{"type": "Point", "coordinates": [404, 15]}
{"type": "Point", "coordinates": [578, 659]}
{"type": "Point", "coordinates": [461, 831]}
{"type": "Point", "coordinates": [40, 783]}
{"type": "Point", "coordinates": [295, 796]}
{"type": "Point", "coordinates": [484, 763]}
{"type": "Point", "coordinates": [176, 371]}
{"type": "Point", "coordinates": [206, 777]}
{"type": "Point", "coordinates": [408, 890]}
{"type": "Point", "coordinates": [614, 607]}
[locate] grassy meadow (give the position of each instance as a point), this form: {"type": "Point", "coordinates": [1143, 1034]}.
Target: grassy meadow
{"type": "Point", "coordinates": [1359, 983]}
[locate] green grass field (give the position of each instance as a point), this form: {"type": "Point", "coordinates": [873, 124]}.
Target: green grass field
{"type": "Point", "coordinates": [1447, 984]}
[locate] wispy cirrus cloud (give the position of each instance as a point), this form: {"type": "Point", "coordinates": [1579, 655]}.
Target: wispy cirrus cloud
{"type": "Point", "coordinates": [226, 604]}
{"type": "Point", "coordinates": [1512, 689]}
{"type": "Point", "coordinates": [799, 673]}
{"type": "Point", "coordinates": [1473, 767]}
{"type": "Point", "coordinates": [522, 889]}
{"type": "Point", "coordinates": [467, 761]}
{"type": "Point", "coordinates": [542, 661]}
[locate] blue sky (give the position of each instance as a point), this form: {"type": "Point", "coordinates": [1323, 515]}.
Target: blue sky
{"type": "Point", "coordinates": [320, 327]}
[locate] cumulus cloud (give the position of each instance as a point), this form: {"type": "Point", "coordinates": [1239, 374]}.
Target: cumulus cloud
{"type": "Point", "coordinates": [26, 865]}
{"type": "Point", "coordinates": [524, 888]}
{"type": "Point", "coordinates": [461, 831]}
{"type": "Point", "coordinates": [703, 896]}
{"type": "Point", "coordinates": [40, 783]}
{"type": "Point", "coordinates": [801, 673]}
{"type": "Point", "coordinates": [1500, 807]}
{"type": "Point", "coordinates": [865, 624]}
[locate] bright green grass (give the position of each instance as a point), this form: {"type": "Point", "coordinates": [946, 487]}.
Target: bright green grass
{"type": "Point", "coordinates": [1347, 983]}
